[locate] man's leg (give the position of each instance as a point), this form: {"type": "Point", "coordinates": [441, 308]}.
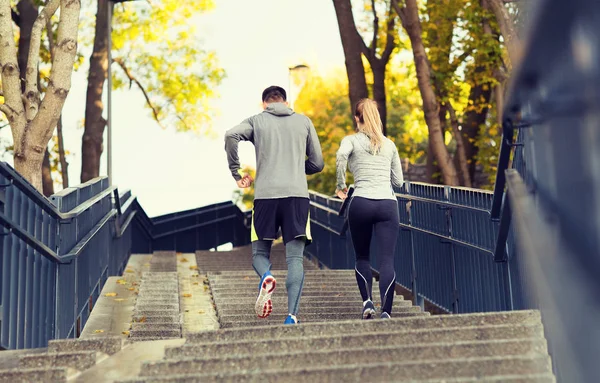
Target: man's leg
{"type": "Point", "coordinates": [294, 253]}
{"type": "Point", "coordinates": [261, 253]}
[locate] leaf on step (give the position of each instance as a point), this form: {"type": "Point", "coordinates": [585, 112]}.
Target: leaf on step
{"type": "Point", "coordinates": [187, 295]}
{"type": "Point", "coordinates": [119, 299]}
{"type": "Point", "coordinates": [110, 294]}
{"type": "Point", "coordinates": [205, 288]}
{"type": "Point", "coordinates": [98, 331]}
{"type": "Point", "coordinates": [193, 267]}
{"type": "Point", "coordinates": [246, 278]}
{"type": "Point", "coordinates": [130, 271]}
{"type": "Point", "coordinates": [122, 282]}
{"type": "Point", "coordinates": [195, 275]}
{"type": "Point", "coordinates": [201, 312]}
{"type": "Point", "coordinates": [195, 283]}
{"type": "Point", "coordinates": [131, 288]}
{"type": "Point", "coordinates": [140, 319]}
{"type": "Point", "coordinates": [125, 333]}
{"type": "Point", "coordinates": [183, 260]}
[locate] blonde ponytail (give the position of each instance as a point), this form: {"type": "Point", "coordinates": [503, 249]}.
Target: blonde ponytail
{"type": "Point", "coordinates": [369, 123]}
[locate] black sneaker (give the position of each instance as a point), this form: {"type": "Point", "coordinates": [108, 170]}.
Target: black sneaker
{"type": "Point", "coordinates": [368, 310]}
{"type": "Point", "coordinates": [385, 315]}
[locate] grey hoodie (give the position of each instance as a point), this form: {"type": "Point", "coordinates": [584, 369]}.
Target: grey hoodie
{"type": "Point", "coordinates": [282, 141]}
{"type": "Point", "coordinates": [374, 174]}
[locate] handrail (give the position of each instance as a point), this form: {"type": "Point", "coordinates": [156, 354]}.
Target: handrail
{"type": "Point", "coordinates": [43, 202]}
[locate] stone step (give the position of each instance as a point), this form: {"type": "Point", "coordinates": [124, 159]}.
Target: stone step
{"type": "Point", "coordinates": [357, 340]}
{"type": "Point", "coordinates": [333, 293]}
{"type": "Point", "coordinates": [108, 345]}
{"type": "Point", "coordinates": [283, 273]}
{"type": "Point", "coordinates": [157, 318]}
{"type": "Point", "coordinates": [158, 301]}
{"type": "Point", "coordinates": [435, 322]}
{"type": "Point", "coordinates": [159, 306]}
{"type": "Point", "coordinates": [362, 355]}
{"type": "Point", "coordinates": [156, 325]}
{"type": "Point", "coordinates": [233, 285]}
{"type": "Point", "coordinates": [28, 375]}
{"type": "Point", "coordinates": [271, 322]}
{"type": "Point", "coordinates": [158, 296]}
{"type": "Point", "coordinates": [281, 299]}
{"type": "Point", "coordinates": [311, 316]}
{"type": "Point", "coordinates": [523, 378]}
{"type": "Point", "coordinates": [396, 371]}
{"type": "Point", "coordinates": [157, 333]}
{"type": "Point", "coordinates": [78, 360]}
{"type": "Point", "coordinates": [154, 313]}
{"type": "Point", "coordinates": [243, 307]}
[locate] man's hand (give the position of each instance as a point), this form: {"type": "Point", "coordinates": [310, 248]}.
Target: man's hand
{"type": "Point", "coordinates": [342, 194]}
{"type": "Point", "coordinates": [245, 182]}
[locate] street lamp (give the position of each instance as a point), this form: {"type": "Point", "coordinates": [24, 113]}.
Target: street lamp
{"type": "Point", "coordinates": [302, 69]}
{"type": "Point", "coordinates": [110, 4]}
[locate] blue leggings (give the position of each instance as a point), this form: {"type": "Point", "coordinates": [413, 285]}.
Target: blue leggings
{"type": "Point", "coordinates": [368, 218]}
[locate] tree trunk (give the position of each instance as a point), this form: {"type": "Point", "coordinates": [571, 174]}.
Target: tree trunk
{"type": "Point", "coordinates": [379, 91]}
{"type": "Point", "coordinates": [28, 13]}
{"type": "Point", "coordinates": [92, 142]}
{"type": "Point", "coordinates": [64, 165]}
{"type": "Point", "coordinates": [47, 183]}
{"type": "Point", "coordinates": [460, 155]}
{"type": "Point", "coordinates": [507, 29]}
{"type": "Point", "coordinates": [411, 23]}
{"type": "Point", "coordinates": [351, 43]}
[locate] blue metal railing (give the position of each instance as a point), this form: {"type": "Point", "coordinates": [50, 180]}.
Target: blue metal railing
{"type": "Point", "coordinates": [56, 255]}
{"type": "Point", "coordinates": [444, 252]}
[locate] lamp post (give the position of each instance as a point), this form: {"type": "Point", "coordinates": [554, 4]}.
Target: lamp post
{"type": "Point", "coordinates": [298, 68]}
{"type": "Point", "coordinates": [109, 15]}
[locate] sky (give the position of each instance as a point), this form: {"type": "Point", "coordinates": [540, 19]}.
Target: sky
{"type": "Point", "coordinates": [256, 42]}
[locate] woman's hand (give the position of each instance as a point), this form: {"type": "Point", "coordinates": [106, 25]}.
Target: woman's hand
{"type": "Point", "coordinates": [342, 194]}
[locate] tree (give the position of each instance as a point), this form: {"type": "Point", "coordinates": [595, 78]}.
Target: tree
{"type": "Point", "coordinates": [409, 17]}
{"type": "Point", "coordinates": [33, 118]}
{"type": "Point", "coordinates": [377, 53]}
{"type": "Point", "coordinates": [352, 44]}
{"type": "Point", "coordinates": [176, 86]}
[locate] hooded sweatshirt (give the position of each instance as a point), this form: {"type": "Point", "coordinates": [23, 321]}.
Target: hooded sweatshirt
{"type": "Point", "coordinates": [287, 149]}
{"type": "Point", "coordinates": [374, 174]}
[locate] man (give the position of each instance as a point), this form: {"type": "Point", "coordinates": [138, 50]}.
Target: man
{"type": "Point", "coordinates": [287, 148]}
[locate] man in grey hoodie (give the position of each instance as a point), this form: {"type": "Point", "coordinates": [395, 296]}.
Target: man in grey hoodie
{"type": "Point", "coordinates": [287, 149]}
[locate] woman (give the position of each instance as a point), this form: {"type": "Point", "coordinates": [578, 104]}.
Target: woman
{"type": "Point", "coordinates": [373, 160]}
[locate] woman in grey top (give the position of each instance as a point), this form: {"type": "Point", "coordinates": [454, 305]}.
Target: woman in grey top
{"type": "Point", "coordinates": [373, 160]}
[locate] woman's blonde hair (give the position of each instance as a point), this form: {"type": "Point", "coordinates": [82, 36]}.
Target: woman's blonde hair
{"type": "Point", "coordinates": [369, 122]}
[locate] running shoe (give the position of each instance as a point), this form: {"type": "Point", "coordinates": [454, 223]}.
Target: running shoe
{"type": "Point", "coordinates": [368, 310]}
{"type": "Point", "coordinates": [264, 305]}
{"type": "Point", "coordinates": [385, 315]}
{"type": "Point", "coordinates": [291, 319]}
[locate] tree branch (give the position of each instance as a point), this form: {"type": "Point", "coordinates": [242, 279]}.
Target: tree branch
{"type": "Point", "coordinates": [400, 11]}
{"type": "Point", "coordinates": [32, 93]}
{"type": "Point", "coordinates": [389, 39]}
{"type": "Point", "coordinates": [132, 78]}
{"type": "Point", "coordinates": [11, 82]}
{"type": "Point", "coordinates": [16, 18]}
{"type": "Point", "coordinates": [375, 29]}
{"type": "Point", "coordinates": [59, 84]}
{"type": "Point", "coordinates": [460, 146]}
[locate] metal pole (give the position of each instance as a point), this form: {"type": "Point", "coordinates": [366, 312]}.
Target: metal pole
{"type": "Point", "coordinates": [108, 92]}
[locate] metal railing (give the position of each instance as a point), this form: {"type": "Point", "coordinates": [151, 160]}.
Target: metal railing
{"type": "Point", "coordinates": [56, 255]}
{"type": "Point", "coordinates": [445, 248]}
{"type": "Point", "coordinates": [196, 229]}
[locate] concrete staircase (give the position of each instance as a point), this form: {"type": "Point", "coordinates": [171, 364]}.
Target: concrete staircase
{"type": "Point", "coordinates": [329, 345]}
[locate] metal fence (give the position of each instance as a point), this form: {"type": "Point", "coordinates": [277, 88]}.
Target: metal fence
{"type": "Point", "coordinates": [56, 255]}
{"type": "Point", "coordinates": [445, 248]}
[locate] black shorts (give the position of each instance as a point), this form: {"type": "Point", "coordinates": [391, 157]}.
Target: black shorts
{"type": "Point", "coordinates": [290, 214]}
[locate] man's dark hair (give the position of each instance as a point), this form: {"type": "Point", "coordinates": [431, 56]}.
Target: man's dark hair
{"type": "Point", "coordinates": [274, 93]}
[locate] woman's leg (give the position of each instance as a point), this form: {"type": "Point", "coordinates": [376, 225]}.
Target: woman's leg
{"type": "Point", "coordinates": [386, 235]}
{"type": "Point", "coordinates": [360, 224]}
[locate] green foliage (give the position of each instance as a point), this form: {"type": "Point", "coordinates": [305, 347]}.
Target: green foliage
{"type": "Point", "coordinates": [159, 46]}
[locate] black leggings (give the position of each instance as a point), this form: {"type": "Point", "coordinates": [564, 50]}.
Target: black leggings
{"type": "Point", "coordinates": [368, 217]}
